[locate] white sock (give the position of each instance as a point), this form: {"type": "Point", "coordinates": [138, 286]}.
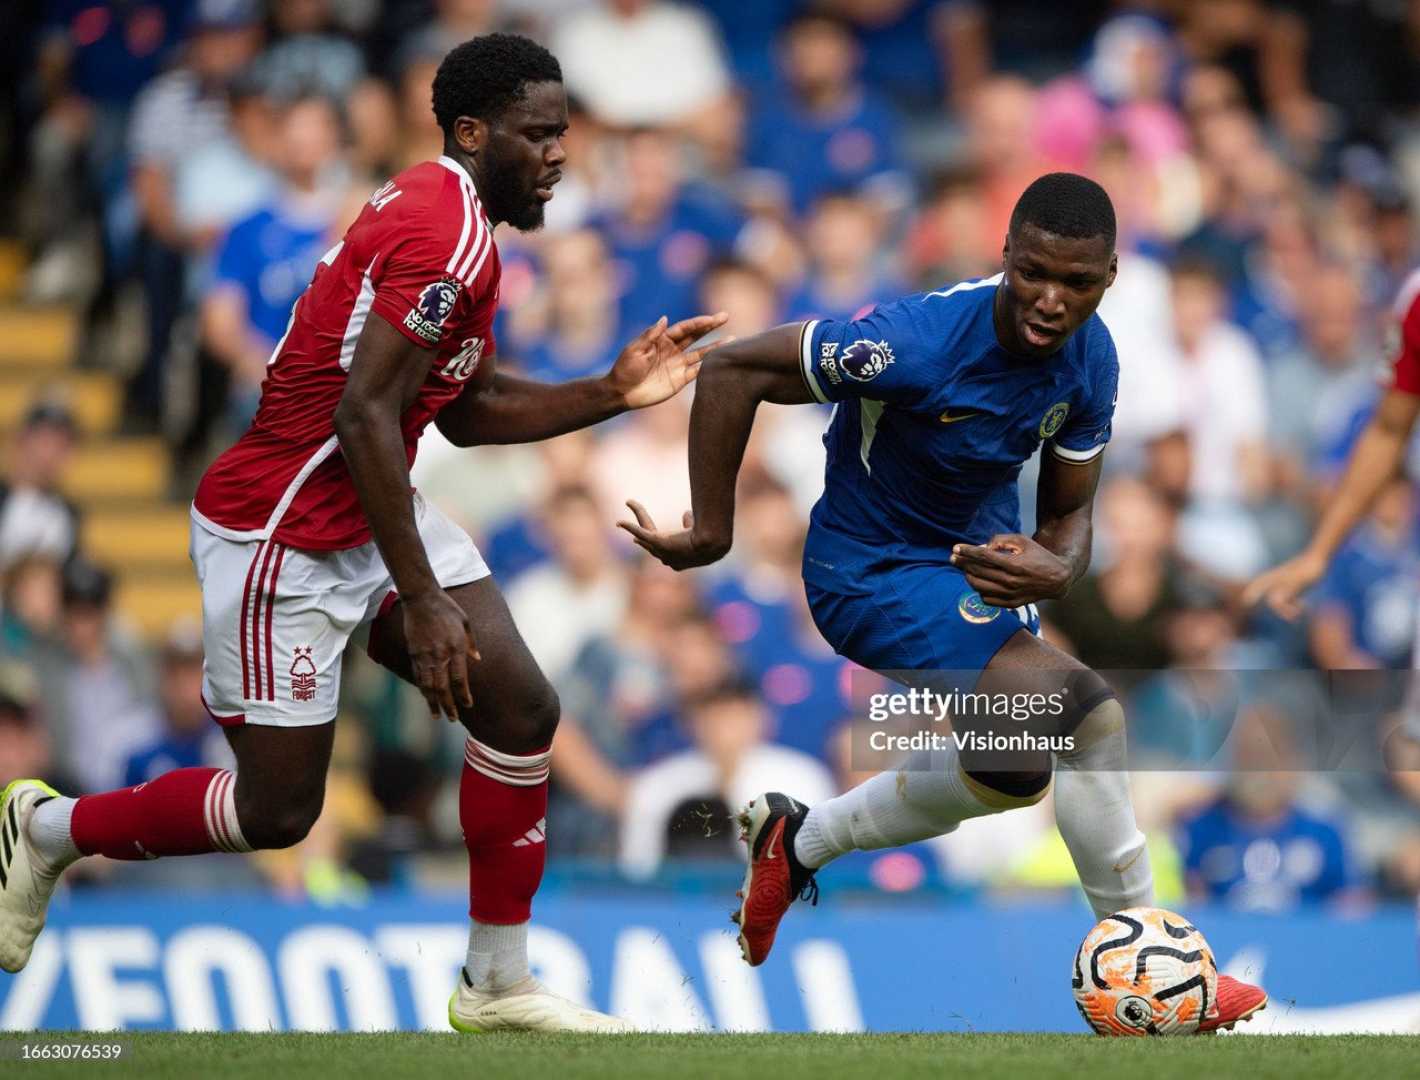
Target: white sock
{"type": "Point", "coordinates": [1096, 818]}
{"type": "Point", "coordinates": [49, 833]}
{"type": "Point", "coordinates": [497, 955]}
{"type": "Point", "coordinates": [927, 796]}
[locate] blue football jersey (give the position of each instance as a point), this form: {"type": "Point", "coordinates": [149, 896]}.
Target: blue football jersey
{"type": "Point", "coordinates": [932, 422]}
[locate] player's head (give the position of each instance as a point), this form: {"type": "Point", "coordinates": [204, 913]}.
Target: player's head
{"type": "Point", "coordinates": [1058, 260]}
{"type": "Point", "coordinates": [500, 102]}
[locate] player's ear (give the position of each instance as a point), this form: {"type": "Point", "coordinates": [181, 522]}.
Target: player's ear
{"type": "Point", "coordinates": [1005, 251]}
{"type": "Point", "coordinates": [1113, 270]}
{"type": "Point", "coordinates": [471, 134]}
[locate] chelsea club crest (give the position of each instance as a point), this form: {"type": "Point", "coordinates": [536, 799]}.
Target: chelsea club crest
{"type": "Point", "coordinates": [976, 610]}
{"type": "Point", "coordinates": [1053, 418]}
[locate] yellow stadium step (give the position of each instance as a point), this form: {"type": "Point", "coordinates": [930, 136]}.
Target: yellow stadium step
{"type": "Point", "coordinates": [118, 469]}
{"type": "Point", "coordinates": [96, 398]}
{"type": "Point", "coordinates": [37, 336]}
{"type": "Point", "coordinates": [151, 604]}
{"type": "Point", "coordinates": [123, 536]}
{"type": "Point", "coordinates": [13, 261]}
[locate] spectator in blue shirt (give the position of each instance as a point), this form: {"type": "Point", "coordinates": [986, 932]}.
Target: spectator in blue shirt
{"type": "Point", "coordinates": [1256, 847]}
{"type": "Point", "coordinates": [266, 260]}
{"type": "Point", "coordinates": [761, 612]}
{"type": "Point", "coordinates": [92, 61]}
{"type": "Point", "coordinates": [174, 116]}
{"type": "Point", "coordinates": [580, 329]}
{"type": "Point", "coordinates": [753, 605]}
{"type": "Point", "coordinates": [825, 131]}
{"type": "Point", "coordinates": [845, 280]}
{"type": "Point", "coordinates": [924, 52]}
{"type": "Point", "coordinates": [189, 738]}
{"type": "Point", "coordinates": [664, 233]}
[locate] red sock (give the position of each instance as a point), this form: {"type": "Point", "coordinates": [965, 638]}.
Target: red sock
{"type": "Point", "coordinates": [503, 811]}
{"type": "Point", "coordinates": [184, 812]}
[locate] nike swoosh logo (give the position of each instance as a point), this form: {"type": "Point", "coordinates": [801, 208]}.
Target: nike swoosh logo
{"type": "Point", "coordinates": [769, 847]}
{"type": "Point", "coordinates": [948, 418]}
{"type": "Point", "coordinates": [1125, 864]}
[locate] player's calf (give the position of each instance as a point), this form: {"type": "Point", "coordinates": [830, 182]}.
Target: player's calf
{"type": "Point", "coordinates": [280, 781]}
{"type": "Point", "coordinates": [1095, 815]}
{"type": "Point", "coordinates": [184, 812]}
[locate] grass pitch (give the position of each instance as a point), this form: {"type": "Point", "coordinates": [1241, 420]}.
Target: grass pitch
{"type": "Point", "coordinates": [690, 1057]}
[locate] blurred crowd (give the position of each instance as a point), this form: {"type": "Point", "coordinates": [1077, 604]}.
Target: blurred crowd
{"type": "Point", "coordinates": [177, 168]}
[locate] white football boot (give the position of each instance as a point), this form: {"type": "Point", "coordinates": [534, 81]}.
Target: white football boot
{"type": "Point", "coordinates": [26, 883]}
{"type": "Point", "coordinates": [526, 1006]}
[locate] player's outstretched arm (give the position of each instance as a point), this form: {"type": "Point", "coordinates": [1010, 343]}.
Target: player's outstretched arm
{"type": "Point", "coordinates": [1375, 459]}
{"type": "Point", "coordinates": [655, 365]}
{"type": "Point", "coordinates": [1011, 569]}
{"type": "Point", "coordinates": [385, 376]}
{"type": "Point", "coordinates": [734, 379]}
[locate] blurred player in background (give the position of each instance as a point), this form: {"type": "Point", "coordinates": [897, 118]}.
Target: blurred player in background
{"type": "Point", "coordinates": [1375, 461]}
{"type": "Point", "coordinates": [915, 565]}
{"type": "Point", "coordinates": [308, 530]}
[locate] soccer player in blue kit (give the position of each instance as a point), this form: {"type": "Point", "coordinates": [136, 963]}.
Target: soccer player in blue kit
{"type": "Point", "coordinates": [915, 562]}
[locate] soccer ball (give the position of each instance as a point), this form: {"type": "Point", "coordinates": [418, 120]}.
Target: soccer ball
{"type": "Point", "coordinates": [1144, 971]}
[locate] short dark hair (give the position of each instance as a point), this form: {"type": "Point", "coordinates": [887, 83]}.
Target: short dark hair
{"type": "Point", "coordinates": [47, 413]}
{"type": "Point", "coordinates": [732, 264]}
{"type": "Point", "coordinates": [485, 75]}
{"type": "Point", "coordinates": [85, 584]}
{"type": "Point", "coordinates": [817, 15]}
{"type": "Point", "coordinates": [732, 689]}
{"type": "Point", "coordinates": [1066, 204]}
{"type": "Point", "coordinates": [1195, 264]}
{"type": "Point", "coordinates": [565, 496]}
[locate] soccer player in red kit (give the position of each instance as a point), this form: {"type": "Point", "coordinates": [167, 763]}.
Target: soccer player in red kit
{"type": "Point", "coordinates": [1375, 460]}
{"type": "Point", "coordinates": [307, 531]}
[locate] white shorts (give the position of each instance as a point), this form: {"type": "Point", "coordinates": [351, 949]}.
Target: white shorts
{"type": "Point", "coordinates": [276, 620]}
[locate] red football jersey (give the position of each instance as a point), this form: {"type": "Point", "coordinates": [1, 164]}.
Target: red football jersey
{"type": "Point", "coordinates": [1405, 363]}
{"type": "Point", "coordinates": [420, 255]}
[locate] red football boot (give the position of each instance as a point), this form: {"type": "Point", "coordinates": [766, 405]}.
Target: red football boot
{"type": "Point", "coordinates": [1237, 1001]}
{"type": "Point", "coordinates": [774, 877]}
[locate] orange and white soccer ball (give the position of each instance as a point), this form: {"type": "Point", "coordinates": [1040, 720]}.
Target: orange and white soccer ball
{"type": "Point", "coordinates": [1144, 971]}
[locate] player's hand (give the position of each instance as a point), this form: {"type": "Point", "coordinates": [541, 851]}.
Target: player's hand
{"type": "Point", "coordinates": [441, 651]}
{"type": "Point", "coordinates": [1282, 586]}
{"type": "Point", "coordinates": [678, 550]}
{"type": "Point", "coordinates": [1011, 570]}
{"type": "Point", "coordinates": [658, 363]}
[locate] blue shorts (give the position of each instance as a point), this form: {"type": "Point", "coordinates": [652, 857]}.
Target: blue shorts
{"type": "Point", "coordinates": [917, 617]}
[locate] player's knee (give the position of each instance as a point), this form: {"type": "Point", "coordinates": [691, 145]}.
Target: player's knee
{"type": "Point", "coordinates": [525, 723]}
{"type": "Point", "coordinates": [1092, 711]}
{"type": "Point", "coordinates": [281, 824]}
{"type": "Point", "coordinates": [544, 710]}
